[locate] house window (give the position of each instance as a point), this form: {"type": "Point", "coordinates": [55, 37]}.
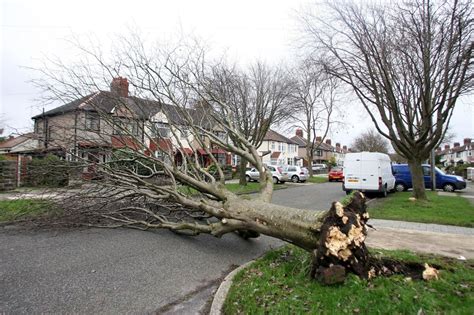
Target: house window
{"type": "Point", "coordinates": [290, 161]}
{"type": "Point", "coordinates": [221, 135]}
{"type": "Point", "coordinates": [92, 121]}
{"type": "Point", "coordinates": [162, 130]}
{"type": "Point", "coordinates": [184, 133]}
{"type": "Point", "coordinates": [273, 145]}
{"type": "Point", "coordinates": [273, 161]}
{"type": "Point", "coordinates": [125, 126]}
{"type": "Point", "coordinates": [221, 158]}
{"type": "Point", "coordinates": [319, 153]}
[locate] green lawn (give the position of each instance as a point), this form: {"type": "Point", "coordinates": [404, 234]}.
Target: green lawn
{"type": "Point", "coordinates": [448, 210]}
{"type": "Point", "coordinates": [251, 187]}
{"type": "Point", "coordinates": [278, 283]}
{"type": "Point", "coordinates": [317, 179]}
{"type": "Point", "coordinates": [11, 210]}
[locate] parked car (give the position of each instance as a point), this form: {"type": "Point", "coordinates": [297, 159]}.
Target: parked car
{"type": "Point", "coordinates": [368, 172]}
{"type": "Point", "coordinates": [336, 174]}
{"type": "Point", "coordinates": [319, 167]}
{"type": "Point", "coordinates": [296, 173]}
{"type": "Point", "coordinates": [277, 174]}
{"type": "Point", "coordinates": [443, 181]}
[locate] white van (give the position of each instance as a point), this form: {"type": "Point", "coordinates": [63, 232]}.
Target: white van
{"type": "Point", "coordinates": [368, 172]}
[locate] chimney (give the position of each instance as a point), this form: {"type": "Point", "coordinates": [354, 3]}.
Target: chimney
{"type": "Point", "coordinates": [328, 141]}
{"type": "Point", "coordinates": [119, 86]}
{"type": "Point", "coordinates": [467, 141]}
{"type": "Point", "coordinates": [456, 144]}
{"type": "Point", "coordinates": [446, 146]}
{"type": "Point", "coordinates": [438, 149]}
{"type": "Point", "coordinates": [344, 147]}
{"type": "Point", "coordinates": [338, 145]}
{"type": "Point", "coordinates": [299, 132]}
{"type": "Point", "coordinates": [318, 139]}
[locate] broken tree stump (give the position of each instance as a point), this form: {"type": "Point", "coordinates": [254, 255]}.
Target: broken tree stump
{"type": "Point", "coordinates": [342, 242]}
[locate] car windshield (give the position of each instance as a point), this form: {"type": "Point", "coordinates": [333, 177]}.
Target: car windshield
{"type": "Point", "coordinates": [440, 171]}
{"type": "Point", "coordinates": [336, 169]}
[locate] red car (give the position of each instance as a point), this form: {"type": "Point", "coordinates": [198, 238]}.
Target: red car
{"type": "Point", "coordinates": [335, 174]}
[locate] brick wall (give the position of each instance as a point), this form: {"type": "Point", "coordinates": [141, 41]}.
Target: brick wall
{"type": "Point", "coordinates": [8, 173]}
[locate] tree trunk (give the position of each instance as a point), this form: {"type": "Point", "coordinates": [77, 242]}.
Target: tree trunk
{"type": "Point", "coordinates": [309, 156]}
{"type": "Point", "coordinates": [335, 237]}
{"type": "Point", "coordinates": [417, 178]}
{"type": "Point", "coordinates": [242, 169]}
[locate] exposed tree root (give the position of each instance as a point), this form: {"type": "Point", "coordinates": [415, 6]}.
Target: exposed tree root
{"type": "Point", "coordinates": [342, 249]}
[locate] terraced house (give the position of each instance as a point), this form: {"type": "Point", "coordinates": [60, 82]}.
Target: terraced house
{"type": "Point", "coordinates": [458, 154]}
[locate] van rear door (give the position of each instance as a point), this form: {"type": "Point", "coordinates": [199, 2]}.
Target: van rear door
{"type": "Point", "coordinates": [351, 172]}
{"type": "Point", "coordinates": [369, 174]}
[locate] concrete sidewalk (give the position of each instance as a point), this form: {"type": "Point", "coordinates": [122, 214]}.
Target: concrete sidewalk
{"type": "Point", "coordinates": [423, 227]}
{"type": "Point", "coordinates": [446, 244]}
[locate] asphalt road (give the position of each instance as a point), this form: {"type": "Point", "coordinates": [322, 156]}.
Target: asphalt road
{"type": "Point", "coordinates": [128, 271]}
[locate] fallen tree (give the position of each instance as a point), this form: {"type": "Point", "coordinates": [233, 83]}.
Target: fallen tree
{"type": "Point", "coordinates": [153, 152]}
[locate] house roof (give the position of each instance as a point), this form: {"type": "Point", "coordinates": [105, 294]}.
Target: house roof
{"type": "Point", "coordinates": [272, 135]}
{"type": "Point", "coordinates": [319, 145]}
{"type": "Point", "coordinates": [104, 101]}
{"type": "Point", "coordinates": [299, 140]}
{"type": "Point", "coordinates": [10, 143]}
{"type": "Point", "coordinates": [461, 148]}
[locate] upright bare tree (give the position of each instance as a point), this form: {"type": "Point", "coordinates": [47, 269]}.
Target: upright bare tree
{"type": "Point", "coordinates": [315, 99]}
{"type": "Point", "coordinates": [408, 62]}
{"type": "Point", "coordinates": [370, 141]}
{"type": "Point", "coordinates": [257, 98]}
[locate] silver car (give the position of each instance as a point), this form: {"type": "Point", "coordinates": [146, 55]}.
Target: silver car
{"type": "Point", "coordinates": [296, 173]}
{"type": "Point", "coordinates": [277, 174]}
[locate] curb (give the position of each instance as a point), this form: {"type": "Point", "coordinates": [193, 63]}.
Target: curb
{"type": "Point", "coordinates": [221, 293]}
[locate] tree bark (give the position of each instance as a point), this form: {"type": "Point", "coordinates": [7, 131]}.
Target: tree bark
{"type": "Point", "coordinates": [418, 180]}
{"type": "Point", "coordinates": [242, 169]}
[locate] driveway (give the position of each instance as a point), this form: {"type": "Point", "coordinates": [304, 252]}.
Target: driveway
{"type": "Point", "coordinates": [122, 270]}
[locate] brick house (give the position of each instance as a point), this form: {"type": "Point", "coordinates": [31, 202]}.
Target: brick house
{"type": "Point", "coordinates": [94, 125]}
{"type": "Point", "coordinates": [324, 152]}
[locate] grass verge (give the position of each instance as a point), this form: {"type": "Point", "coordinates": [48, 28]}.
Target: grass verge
{"type": "Point", "coordinates": [251, 187]}
{"type": "Point", "coordinates": [450, 210]}
{"type": "Point", "coordinates": [278, 283]}
{"type": "Point", "coordinates": [317, 179]}
{"type": "Point", "coordinates": [12, 210]}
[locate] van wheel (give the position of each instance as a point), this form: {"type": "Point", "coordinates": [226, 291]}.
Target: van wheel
{"type": "Point", "coordinates": [294, 179]}
{"type": "Point", "coordinates": [400, 187]}
{"type": "Point", "coordinates": [348, 192]}
{"type": "Point", "coordinates": [275, 180]}
{"type": "Point", "coordinates": [247, 178]}
{"type": "Point", "coordinates": [448, 187]}
{"type": "Point", "coordinates": [384, 192]}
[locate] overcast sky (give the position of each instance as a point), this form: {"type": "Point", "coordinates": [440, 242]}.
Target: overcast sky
{"type": "Point", "coordinates": [246, 30]}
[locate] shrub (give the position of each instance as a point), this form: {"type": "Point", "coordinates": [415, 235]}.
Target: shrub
{"type": "Point", "coordinates": [49, 171]}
